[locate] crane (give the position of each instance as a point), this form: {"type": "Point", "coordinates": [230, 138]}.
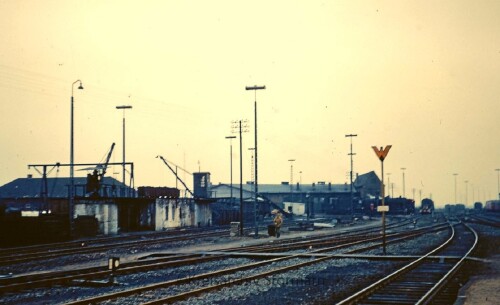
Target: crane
{"type": "Point", "coordinates": [177, 176]}
{"type": "Point", "coordinates": [105, 165]}
{"type": "Point", "coordinates": [94, 180]}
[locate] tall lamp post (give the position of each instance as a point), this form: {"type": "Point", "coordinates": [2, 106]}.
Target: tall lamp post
{"type": "Point", "coordinates": [351, 154]}
{"type": "Point", "coordinates": [255, 88]}
{"type": "Point", "coordinates": [124, 107]}
{"type": "Point", "coordinates": [72, 160]}
{"type": "Point", "coordinates": [466, 192]}
{"type": "Point", "coordinates": [404, 193]}
{"type": "Point", "coordinates": [382, 154]}
{"type": "Point", "coordinates": [455, 174]}
{"type": "Point", "coordinates": [252, 149]}
{"type": "Point", "coordinates": [291, 178]}
{"type": "Point", "coordinates": [498, 182]}
{"type": "Point", "coordinates": [231, 163]}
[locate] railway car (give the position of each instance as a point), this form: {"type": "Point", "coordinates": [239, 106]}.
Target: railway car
{"type": "Point", "coordinates": [397, 206]}
{"type": "Point", "coordinates": [492, 206]}
{"type": "Point", "coordinates": [427, 206]}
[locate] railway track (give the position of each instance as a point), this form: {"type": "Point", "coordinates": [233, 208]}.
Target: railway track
{"type": "Point", "coordinates": [423, 280]}
{"type": "Point", "coordinates": [178, 289]}
{"type": "Point", "coordinates": [13, 256]}
{"type": "Point", "coordinates": [45, 279]}
{"type": "Point", "coordinates": [492, 221]}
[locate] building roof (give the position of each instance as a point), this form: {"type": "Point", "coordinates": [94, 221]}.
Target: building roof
{"type": "Point", "coordinates": [224, 190]}
{"type": "Point", "coordinates": [57, 187]}
{"type": "Point", "coordinates": [366, 179]}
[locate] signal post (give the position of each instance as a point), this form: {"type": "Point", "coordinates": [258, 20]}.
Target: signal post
{"type": "Point", "coordinates": [381, 154]}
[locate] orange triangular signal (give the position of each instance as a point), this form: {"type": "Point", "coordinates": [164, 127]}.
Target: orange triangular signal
{"type": "Point", "coordinates": [382, 152]}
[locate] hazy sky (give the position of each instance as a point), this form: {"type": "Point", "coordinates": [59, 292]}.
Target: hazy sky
{"type": "Point", "coordinates": [422, 76]}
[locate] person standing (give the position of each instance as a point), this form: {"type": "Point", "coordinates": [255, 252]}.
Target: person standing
{"type": "Point", "coordinates": [278, 221]}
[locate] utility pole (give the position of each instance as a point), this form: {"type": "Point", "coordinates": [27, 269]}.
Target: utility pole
{"type": "Point", "coordinates": [351, 154]}
{"type": "Point", "coordinates": [241, 128]}
{"type": "Point", "coordinates": [255, 88]}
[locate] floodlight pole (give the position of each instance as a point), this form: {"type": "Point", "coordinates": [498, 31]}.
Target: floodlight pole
{"type": "Point", "coordinates": [124, 108]}
{"type": "Point", "coordinates": [291, 178]}
{"type": "Point", "coordinates": [455, 174]}
{"type": "Point", "coordinates": [253, 187]}
{"type": "Point", "coordinates": [466, 192]}
{"type": "Point", "coordinates": [255, 88]}
{"type": "Point", "coordinates": [231, 162]}
{"type": "Point", "coordinates": [498, 182]}
{"type": "Point", "coordinates": [404, 192]}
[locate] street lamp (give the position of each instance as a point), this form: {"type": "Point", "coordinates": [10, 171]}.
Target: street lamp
{"type": "Point", "coordinates": [124, 108]}
{"type": "Point", "coordinates": [351, 154]}
{"type": "Point", "coordinates": [71, 159]}
{"type": "Point", "coordinates": [255, 88]}
{"type": "Point", "coordinates": [231, 162]}
{"type": "Point", "coordinates": [403, 169]}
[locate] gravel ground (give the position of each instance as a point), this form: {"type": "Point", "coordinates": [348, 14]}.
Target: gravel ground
{"type": "Point", "coordinates": [303, 286]}
{"type": "Point", "coordinates": [324, 282]}
{"type": "Point", "coordinates": [63, 294]}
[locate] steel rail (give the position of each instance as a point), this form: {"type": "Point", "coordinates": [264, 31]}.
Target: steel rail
{"type": "Point", "coordinates": [57, 277]}
{"type": "Point", "coordinates": [187, 294]}
{"type": "Point", "coordinates": [387, 279]}
{"type": "Point", "coordinates": [28, 257]}
{"type": "Point", "coordinates": [427, 298]}
{"type": "Point", "coordinates": [183, 295]}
